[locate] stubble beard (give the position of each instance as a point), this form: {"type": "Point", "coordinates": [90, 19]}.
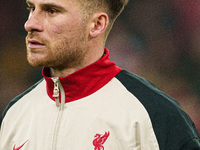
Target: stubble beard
{"type": "Point", "coordinates": [67, 53]}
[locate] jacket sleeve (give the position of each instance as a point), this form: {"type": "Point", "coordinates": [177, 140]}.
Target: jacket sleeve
{"type": "Point", "coordinates": [192, 144]}
{"type": "Point", "coordinates": [173, 128]}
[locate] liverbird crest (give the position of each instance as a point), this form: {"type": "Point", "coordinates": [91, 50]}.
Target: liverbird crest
{"type": "Point", "coordinates": [100, 140]}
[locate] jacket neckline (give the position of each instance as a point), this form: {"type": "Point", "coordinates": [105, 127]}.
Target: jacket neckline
{"type": "Point", "coordinates": [85, 81]}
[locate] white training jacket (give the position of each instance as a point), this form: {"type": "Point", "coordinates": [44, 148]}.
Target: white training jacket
{"type": "Point", "coordinates": [100, 107]}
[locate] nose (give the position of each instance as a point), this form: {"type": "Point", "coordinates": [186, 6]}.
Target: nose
{"type": "Point", "coordinates": [34, 22]}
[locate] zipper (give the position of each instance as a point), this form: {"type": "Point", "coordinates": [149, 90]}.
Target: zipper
{"type": "Point", "coordinates": [58, 91]}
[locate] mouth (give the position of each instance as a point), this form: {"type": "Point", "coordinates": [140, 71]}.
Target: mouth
{"type": "Point", "coordinates": [35, 44]}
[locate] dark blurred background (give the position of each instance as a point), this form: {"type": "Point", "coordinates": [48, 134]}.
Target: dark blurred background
{"type": "Point", "coordinates": [157, 39]}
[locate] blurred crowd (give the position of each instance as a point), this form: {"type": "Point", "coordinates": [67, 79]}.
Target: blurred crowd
{"type": "Point", "coordinates": [157, 39]}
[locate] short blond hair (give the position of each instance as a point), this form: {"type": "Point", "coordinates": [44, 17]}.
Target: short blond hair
{"type": "Point", "coordinates": [112, 8]}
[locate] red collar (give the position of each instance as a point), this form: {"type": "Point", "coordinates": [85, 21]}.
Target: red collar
{"type": "Point", "coordinates": [85, 81]}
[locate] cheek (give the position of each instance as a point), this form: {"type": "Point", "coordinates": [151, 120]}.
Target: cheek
{"type": "Point", "coordinates": [56, 29]}
{"type": "Point", "coordinates": [63, 30]}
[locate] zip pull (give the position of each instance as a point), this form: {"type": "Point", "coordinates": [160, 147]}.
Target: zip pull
{"type": "Point", "coordinates": [56, 91]}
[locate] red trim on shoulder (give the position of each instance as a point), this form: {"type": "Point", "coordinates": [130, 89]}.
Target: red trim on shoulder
{"type": "Point", "coordinates": [85, 81]}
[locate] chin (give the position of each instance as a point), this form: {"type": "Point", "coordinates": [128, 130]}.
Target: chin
{"type": "Point", "coordinates": [35, 64]}
{"type": "Point", "coordinates": [40, 63]}
{"type": "Point", "coordinates": [35, 60]}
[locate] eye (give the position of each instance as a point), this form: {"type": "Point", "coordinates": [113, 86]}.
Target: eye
{"type": "Point", "coordinates": [51, 11]}
{"type": "Point", "coordinates": [30, 8]}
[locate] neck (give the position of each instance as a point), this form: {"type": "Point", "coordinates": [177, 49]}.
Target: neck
{"type": "Point", "coordinates": [92, 57]}
{"type": "Point", "coordinates": [63, 72]}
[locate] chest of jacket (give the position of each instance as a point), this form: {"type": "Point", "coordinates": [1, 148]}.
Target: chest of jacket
{"type": "Point", "coordinates": [101, 120]}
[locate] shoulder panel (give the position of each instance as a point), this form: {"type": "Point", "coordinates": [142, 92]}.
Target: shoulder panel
{"type": "Point", "coordinates": [172, 126]}
{"type": "Point", "coordinates": [17, 98]}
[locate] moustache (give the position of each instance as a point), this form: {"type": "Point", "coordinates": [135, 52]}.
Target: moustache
{"type": "Point", "coordinates": [35, 36]}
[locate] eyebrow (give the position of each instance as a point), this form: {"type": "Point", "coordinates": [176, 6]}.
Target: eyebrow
{"type": "Point", "coordinates": [29, 2]}
{"type": "Point", "coordinates": [47, 5]}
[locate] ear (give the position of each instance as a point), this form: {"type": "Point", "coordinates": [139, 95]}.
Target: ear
{"type": "Point", "coordinates": [98, 24]}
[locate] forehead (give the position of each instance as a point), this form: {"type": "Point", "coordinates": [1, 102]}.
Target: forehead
{"type": "Point", "coordinates": [61, 3]}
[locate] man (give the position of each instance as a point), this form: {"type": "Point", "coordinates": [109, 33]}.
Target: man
{"type": "Point", "coordinates": [85, 101]}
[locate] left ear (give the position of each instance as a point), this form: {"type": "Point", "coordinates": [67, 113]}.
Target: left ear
{"type": "Point", "coordinates": [99, 24]}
